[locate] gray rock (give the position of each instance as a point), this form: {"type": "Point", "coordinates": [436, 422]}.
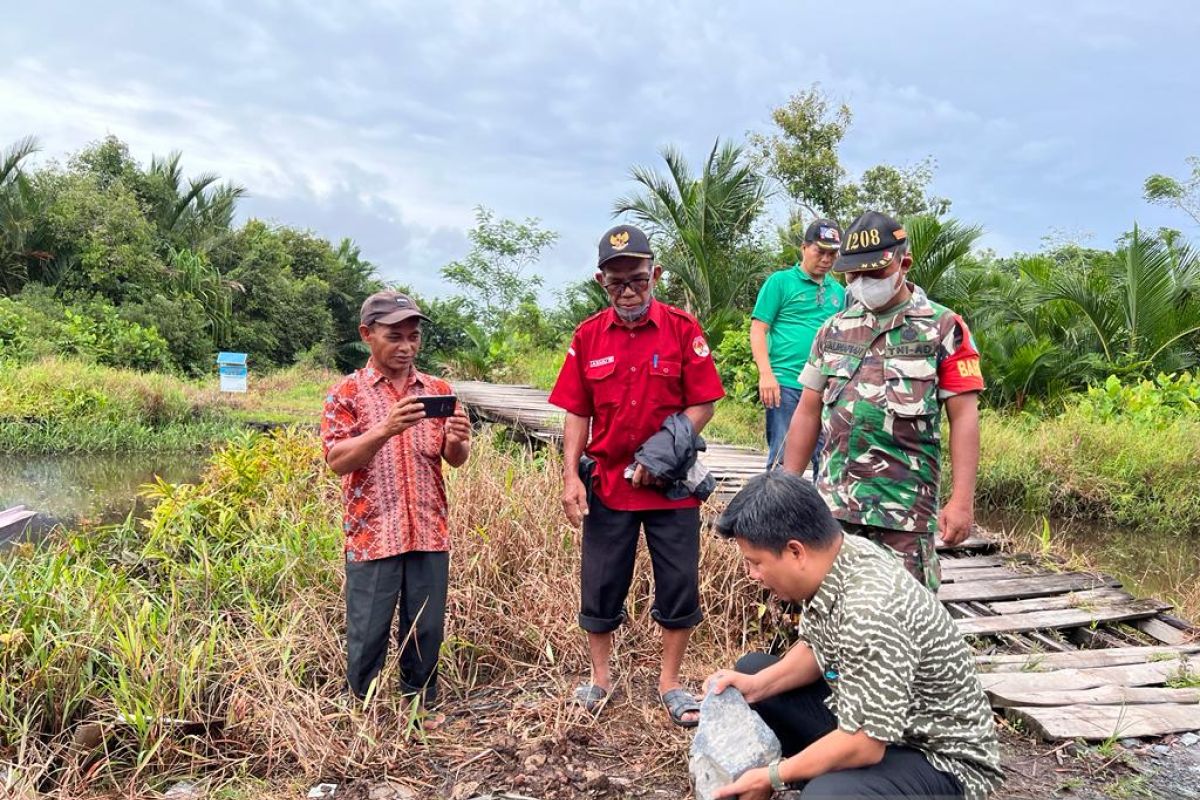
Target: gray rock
{"type": "Point", "coordinates": [1160, 750]}
{"type": "Point", "coordinates": [1130, 744]}
{"type": "Point", "coordinates": [184, 791]}
{"type": "Point", "coordinates": [1189, 739]}
{"type": "Point", "coordinates": [730, 739]}
{"type": "Point", "coordinates": [390, 791]}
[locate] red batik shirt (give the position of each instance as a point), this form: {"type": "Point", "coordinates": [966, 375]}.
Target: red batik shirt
{"type": "Point", "coordinates": [629, 380]}
{"type": "Point", "coordinates": [397, 503]}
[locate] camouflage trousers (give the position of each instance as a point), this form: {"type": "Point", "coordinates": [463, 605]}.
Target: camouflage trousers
{"type": "Point", "coordinates": [918, 550]}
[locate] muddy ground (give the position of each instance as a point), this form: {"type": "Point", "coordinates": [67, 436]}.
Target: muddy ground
{"type": "Point", "coordinates": [505, 742]}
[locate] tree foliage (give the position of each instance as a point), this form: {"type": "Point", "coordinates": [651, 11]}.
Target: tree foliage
{"type": "Point", "coordinates": [1181, 194]}
{"type": "Point", "coordinates": [802, 154]}
{"type": "Point", "coordinates": [703, 229]}
{"type": "Point", "coordinates": [163, 253]}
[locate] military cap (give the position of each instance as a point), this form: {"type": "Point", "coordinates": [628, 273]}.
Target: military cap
{"type": "Point", "coordinates": [870, 243]}
{"type": "Point", "coordinates": [624, 240]}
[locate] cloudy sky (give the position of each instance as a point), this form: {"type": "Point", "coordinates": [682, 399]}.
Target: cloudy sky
{"type": "Point", "coordinates": [389, 121]}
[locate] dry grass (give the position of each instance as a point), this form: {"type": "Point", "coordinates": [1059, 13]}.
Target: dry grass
{"type": "Point", "coordinates": [224, 612]}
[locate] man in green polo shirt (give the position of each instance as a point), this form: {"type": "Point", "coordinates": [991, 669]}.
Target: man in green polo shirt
{"type": "Point", "coordinates": [792, 305]}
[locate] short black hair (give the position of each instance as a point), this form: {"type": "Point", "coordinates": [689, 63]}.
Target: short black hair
{"type": "Point", "coordinates": [776, 507]}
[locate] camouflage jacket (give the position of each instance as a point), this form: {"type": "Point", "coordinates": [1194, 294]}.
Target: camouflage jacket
{"type": "Point", "coordinates": [883, 380]}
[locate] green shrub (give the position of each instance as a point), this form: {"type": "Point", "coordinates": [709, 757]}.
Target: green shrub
{"type": "Point", "coordinates": [1155, 403]}
{"type": "Point", "coordinates": [735, 362]}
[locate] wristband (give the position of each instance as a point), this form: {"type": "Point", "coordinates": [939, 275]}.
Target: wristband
{"type": "Point", "coordinates": [773, 773]}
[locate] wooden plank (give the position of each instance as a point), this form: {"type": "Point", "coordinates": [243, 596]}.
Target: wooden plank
{"type": "Point", "coordinates": [1025, 587]}
{"type": "Point", "coordinates": [1082, 659]}
{"type": "Point", "coordinates": [1067, 680]}
{"type": "Point", "coordinates": [1167, 634]}
{"type": "Point", "coordinates": [1060, 618]}
{"type": "Point", "coordinates": [1106, 596]}
{"type": "Point", "coordinates": [972, 561]}
{"type": "Point", "coordinates": [1100, 696]}
{"type": "Point", "coordinates": [1095, 723]}
{"type": "Point", "coordinates": [982, 574]}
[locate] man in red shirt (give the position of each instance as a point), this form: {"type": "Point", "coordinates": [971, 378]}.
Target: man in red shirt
{"type": "Point", "coordinates": [376, 436]}
{"type": "Point", "coordinates": [628, 369]}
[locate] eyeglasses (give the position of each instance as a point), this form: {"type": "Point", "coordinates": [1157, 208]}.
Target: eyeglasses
{"type": "Point", "coordinates": [617, 288]}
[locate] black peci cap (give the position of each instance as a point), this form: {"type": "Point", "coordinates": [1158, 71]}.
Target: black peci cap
{"type": "Point", "coordinates": [624, 240]}
{"type": "Point", "coordinates": [870, 243]}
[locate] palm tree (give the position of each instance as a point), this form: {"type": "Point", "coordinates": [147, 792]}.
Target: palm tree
{"type": "Point", "coordinates": [1141, 306]}
{"type": "Point", "coordinates": [938, 248]}
{"type": "Point", "coordinates": [18, 217]}
{"type": "Point", "coordinates": [195, 276]}
{"type": "Point", "coordinates": [703, 228]}
{"type": "Point", "coordinates": [196, 213]}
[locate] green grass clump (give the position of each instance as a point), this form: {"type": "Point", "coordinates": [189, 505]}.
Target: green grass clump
{"type": "Point", "coordinates": [1124, 472]}
{"type": "Point", "coordinates": [63, 405]}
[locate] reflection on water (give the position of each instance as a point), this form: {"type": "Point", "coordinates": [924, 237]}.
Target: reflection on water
{"type": "Point", "coordinates": [88, 489]}
{"type": "Point", "coordinates": [1165, 566]}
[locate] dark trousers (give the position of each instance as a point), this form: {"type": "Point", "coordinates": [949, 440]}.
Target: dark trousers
{"type": "Point", "coordinates": [799, 717]}
{"type": "Point", "coordinates": [416, 582]}
{"type": "Point", "coordinates": [610, 540]}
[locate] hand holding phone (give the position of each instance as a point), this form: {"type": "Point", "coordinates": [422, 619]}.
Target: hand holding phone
{"type": "Point", "coordinates": [438, 405]}
{"type": "Point", "coordinates": [407, 411]}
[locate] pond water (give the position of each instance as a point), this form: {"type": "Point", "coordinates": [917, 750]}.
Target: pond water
{"type": "Point", "coordinates": [1161, 565]}
{"type": "Point", "coordinates": [88, 489]}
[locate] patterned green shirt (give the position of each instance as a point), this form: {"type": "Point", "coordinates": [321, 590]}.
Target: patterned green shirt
{"type": "Point", "coordinates": [897, 667]}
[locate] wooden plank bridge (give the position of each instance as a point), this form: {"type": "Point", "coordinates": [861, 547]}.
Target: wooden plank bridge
{"type": "Point", "coordinates": [1070, 654]}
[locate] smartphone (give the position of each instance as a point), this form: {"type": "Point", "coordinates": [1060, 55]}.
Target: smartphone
{"type": "Point", "coordinates": [438, 405]}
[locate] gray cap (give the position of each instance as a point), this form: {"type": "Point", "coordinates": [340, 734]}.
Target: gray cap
{"type": "Point", "coordinates": [389, 308]}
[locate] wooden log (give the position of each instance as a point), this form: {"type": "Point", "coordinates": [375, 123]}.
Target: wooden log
{"type": "Point", "coordinates": [1148, 673]}
{"type": "Point", "coordinates": [1019, 588]}
{"type": "Point", "coordinates": [1100, 696]}
{"type": "Point", "coordinates": [1083, 659]}
{"type": "Point", "coordinates": [1105, 596]}
{"type": "Point", "coordinates": [1096, 723]}
{"type": "Point", "coordinates": [1060, 618]}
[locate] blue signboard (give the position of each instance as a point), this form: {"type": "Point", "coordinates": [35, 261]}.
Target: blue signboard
{"type": "Point", "coordinates": [232, 369]}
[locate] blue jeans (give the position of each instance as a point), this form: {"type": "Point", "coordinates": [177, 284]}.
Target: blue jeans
{"type": "Point", "coordinates": [778, 420]}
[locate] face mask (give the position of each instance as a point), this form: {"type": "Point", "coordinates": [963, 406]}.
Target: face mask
{"type": "Point", "coordinates": [874, 293]}
{"type": "Point", "coordinates": [634, 314]}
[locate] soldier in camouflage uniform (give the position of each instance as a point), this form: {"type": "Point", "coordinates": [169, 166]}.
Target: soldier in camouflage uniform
{"type": "Point", "coordinates": [877, 378]}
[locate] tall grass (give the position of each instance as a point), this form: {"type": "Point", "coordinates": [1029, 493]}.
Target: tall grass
{"type": "Point", "coordinates": [65, 405]}
{"type": "Point", "coordinates": [1122, 471]}
{"type": "Point", "coordinates": [208, 640]}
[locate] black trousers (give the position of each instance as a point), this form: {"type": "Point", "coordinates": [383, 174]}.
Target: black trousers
{"type": "Point", "coordinates": [800, 717]}
{"type": "Point", "coordinates": [610, 540]}
{"type": "Point", "coordinates": [414, 582]}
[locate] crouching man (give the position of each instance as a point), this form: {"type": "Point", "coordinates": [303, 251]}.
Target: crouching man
{"type": "Point", "coordinates": [879, 698]}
